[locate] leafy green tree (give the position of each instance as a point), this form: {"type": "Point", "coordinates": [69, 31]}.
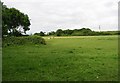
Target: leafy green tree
{"type": "Point", "coordinates": [14, 21]}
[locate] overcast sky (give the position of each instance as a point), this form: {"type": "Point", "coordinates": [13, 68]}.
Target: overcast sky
{"type": "Point", "coordinates": [50, 15]}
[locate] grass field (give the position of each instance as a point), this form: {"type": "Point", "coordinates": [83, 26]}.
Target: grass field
{"type": "Point", "coordinates": [90, 58]}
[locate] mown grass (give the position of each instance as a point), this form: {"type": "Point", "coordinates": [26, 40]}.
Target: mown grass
{"type": "Point", "coordinates": [63, 59]}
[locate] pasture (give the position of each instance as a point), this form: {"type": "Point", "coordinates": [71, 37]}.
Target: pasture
{"type": "Point", "coordinates": [85, 58]}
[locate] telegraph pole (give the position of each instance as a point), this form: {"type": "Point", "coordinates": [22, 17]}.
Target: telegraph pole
{"type": "Point", "coordinates": [99, 28]}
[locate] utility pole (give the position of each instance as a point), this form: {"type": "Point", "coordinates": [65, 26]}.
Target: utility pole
{"type": "Point", "coordinates": [99, 28]}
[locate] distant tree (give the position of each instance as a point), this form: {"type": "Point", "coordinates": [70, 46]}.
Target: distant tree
{"type": "Point", "coordinates": [52, 33]}
{"type": "Point", "coordinates": [68, 32]}
{"type": "Point", "coordinates": [59, 32]}
{"type": "Point", "coordinates": [79, 32]}
{"type": "Point", "coordinates": [42, 33]}
{"type": "Point", "coordinates": [13, 21]}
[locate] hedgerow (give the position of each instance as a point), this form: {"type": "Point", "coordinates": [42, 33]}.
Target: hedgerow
{"type": "Point", "coordinates": [9, 41]}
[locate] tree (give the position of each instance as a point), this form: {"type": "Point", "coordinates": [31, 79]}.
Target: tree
{"type": "Point", "coordinates": [14, 21]}
{"type": "Point", "coordinates": [59, 32]}
{"type": "Point", "coordinates": [42, 33]}
{"type": "Point", "coordinates": [68, 32]}
{"type": "Point", "coordinates": [51, 33]}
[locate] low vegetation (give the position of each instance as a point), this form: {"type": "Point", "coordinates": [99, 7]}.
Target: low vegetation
{"type": "Point", "coordinates": [12, 41]}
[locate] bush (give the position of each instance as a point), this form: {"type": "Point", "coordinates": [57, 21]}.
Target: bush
{"type": "Point", "coordinates": [7, 41]}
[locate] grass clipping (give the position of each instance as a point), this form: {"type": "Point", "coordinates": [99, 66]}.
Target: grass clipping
{"type": "Point", "coordinates": [8, 41]}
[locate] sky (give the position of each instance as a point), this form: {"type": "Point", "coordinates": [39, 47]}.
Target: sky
{"type": "Point", "coordinates": [50, 15]}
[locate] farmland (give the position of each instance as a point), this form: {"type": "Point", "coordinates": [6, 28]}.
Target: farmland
{"type": "Point", "coordinates": [81, 58]}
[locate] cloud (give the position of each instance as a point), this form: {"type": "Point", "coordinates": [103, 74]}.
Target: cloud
{"type": "Point", "coordinates": [49, 15]}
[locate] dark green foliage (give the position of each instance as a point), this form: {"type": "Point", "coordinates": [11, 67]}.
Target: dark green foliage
{"type": "Point", "coordinates": [40, 34]}
{"type": "Point", "coordinates": [81, 32]}
{"type": "Point", "coordinates": [14, 21]}
{"type": "Point", "coordinates": [8, 41]}
{"type": "Point", "coordinates": [70, 51]}
{"type": "Point", "coordinates": [78, 32]}
{"type": "Point", "coordinates": [52, 33]}
{"type": "Point", "coordinates": [67, 32]}
{"type": "Point", "coordinates": [59, 32]}
{"type": "Point", "coordinates": [16, 33]}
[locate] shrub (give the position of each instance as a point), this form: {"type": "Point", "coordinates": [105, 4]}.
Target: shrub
{"type": "Point", "coordinates": [7, 41]}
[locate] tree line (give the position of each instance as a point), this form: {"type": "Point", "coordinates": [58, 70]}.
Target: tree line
{"type": "Point", "coordinates": [77, 32]}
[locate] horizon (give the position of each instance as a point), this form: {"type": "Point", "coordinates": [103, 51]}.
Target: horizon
{"type": "Point", "coordinates": [74, 29]}
{"type": "Point", "coordinates": [71, 29]}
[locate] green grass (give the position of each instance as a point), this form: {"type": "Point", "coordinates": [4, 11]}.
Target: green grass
{"type": "Point", "coordinates": [62, 59]}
